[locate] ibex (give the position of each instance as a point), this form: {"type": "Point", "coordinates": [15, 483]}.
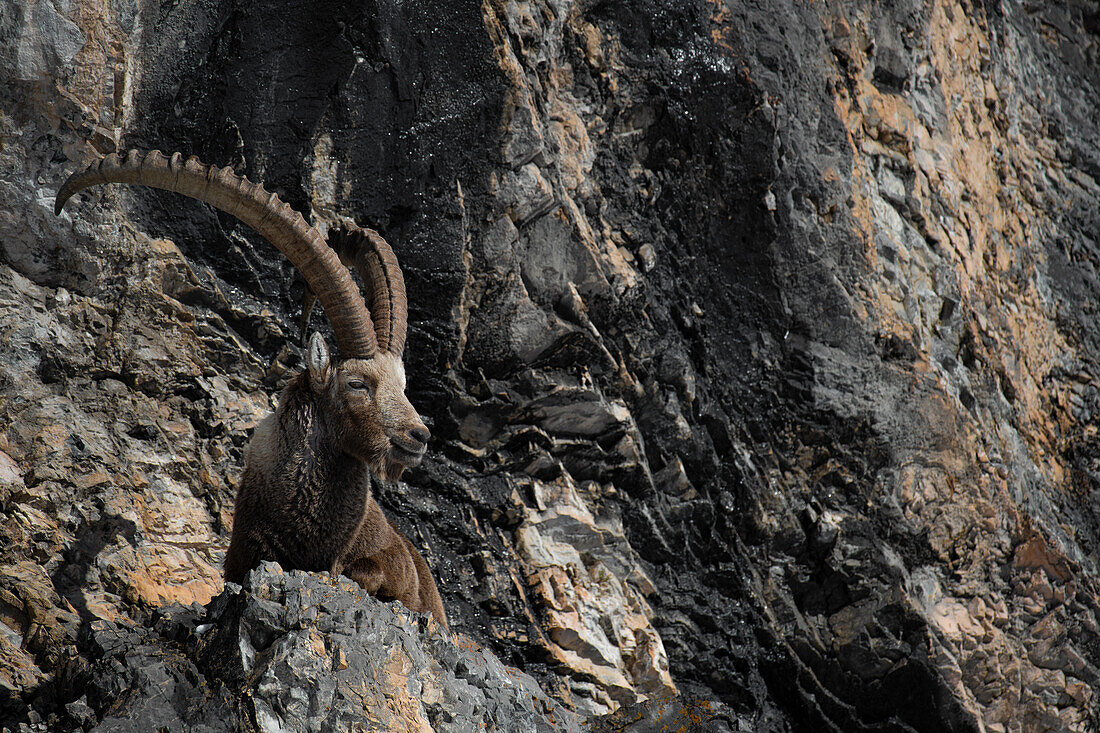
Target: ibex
{"type": "Point", "coordinates": [305, 498]}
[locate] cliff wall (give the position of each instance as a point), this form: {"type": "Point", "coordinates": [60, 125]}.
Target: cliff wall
{"type": "Point", "coordinates": [758, 341]}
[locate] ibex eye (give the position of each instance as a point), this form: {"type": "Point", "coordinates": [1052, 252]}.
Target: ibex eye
{"type": "Point", "coordinates": [356, 384]}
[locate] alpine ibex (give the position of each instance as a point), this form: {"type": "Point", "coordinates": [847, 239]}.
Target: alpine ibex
{"type": "Point", "coordinates": [305, 498]}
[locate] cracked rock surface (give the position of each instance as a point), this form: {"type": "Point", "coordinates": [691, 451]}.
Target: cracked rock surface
{"type": "Point", "coordinates": [758, 345]}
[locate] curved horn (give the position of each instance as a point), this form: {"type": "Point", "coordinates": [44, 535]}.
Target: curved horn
{"type": "Point", "coordinates": [279, 224]}
{"type": "Point", "coordinates": [373, 257]}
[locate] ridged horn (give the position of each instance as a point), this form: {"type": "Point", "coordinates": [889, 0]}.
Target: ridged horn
{"type": "Point", "coordinates": [274, 219]}
{"type": "Point", "coordinates": [372, 256]}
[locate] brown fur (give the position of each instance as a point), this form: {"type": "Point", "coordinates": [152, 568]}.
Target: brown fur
{"type": "Point", "coordinates": [305, 497]}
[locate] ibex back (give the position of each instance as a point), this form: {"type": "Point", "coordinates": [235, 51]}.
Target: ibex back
{"type": "Point", "coordinates": [305, 498]}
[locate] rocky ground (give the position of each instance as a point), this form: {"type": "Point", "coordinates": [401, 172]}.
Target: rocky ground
{"type": "Point", "coordinates": [758, 343]}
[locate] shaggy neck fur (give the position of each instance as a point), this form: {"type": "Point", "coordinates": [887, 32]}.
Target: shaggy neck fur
{"type": "Point", "coordinates": [323, 486]}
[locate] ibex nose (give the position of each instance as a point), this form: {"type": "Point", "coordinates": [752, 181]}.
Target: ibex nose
{"type": "Point", "coordinates": [420, 434]}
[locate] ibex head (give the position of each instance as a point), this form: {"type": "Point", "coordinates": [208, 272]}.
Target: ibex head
{"type": "Point", "coordinates": [362, 396]}
{"type": "Point", "coordinates": [365, 404]}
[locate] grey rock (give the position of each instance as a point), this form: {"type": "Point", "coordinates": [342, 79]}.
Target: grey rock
{"type": "Point", "coordinates": [36, 40]}
{"type": "Point", "coordinates": [526, 194]}
{"type": "Point", "coordinates": [316, 653]}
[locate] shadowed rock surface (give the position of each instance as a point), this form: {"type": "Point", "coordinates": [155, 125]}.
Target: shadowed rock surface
{"type": "Point", "coordinates": [758, 343]}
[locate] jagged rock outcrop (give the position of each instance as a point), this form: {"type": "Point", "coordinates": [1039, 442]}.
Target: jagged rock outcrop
{"type": "Point", "coordinates": [758, 343]}
{"type": "Point", "coordinates": [296, 652]}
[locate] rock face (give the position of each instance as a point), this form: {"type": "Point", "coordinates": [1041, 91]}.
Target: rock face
{"type": "Point", "coordinates": [306, 652]}
{"type": "Point", "coordinates": [759, 348]}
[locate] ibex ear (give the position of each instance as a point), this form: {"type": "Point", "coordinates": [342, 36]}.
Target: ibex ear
{"type": "Point", "coordinates": [318, 362]}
